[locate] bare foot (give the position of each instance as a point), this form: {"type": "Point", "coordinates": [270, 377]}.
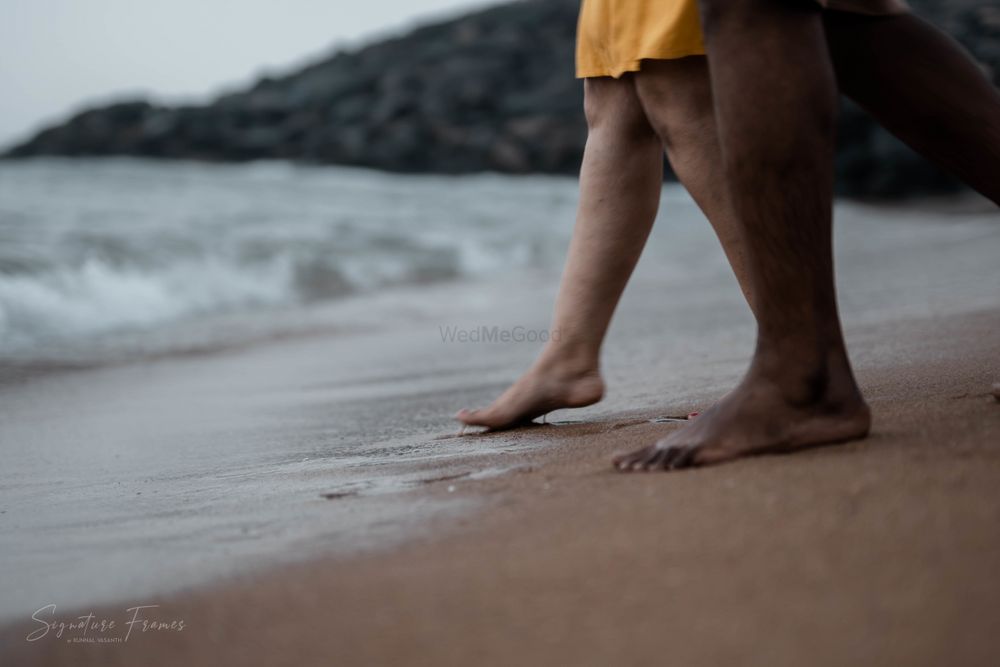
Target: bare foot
{"type": "Point", "coordinates": [757, 418]}
{"type": "Point", "coordinates": [548, 385]}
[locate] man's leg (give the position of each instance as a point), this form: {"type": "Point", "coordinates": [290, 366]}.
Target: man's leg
{"type": "Point", "coordinates": [924, 88]}
{"type": "Point", "coordinates": [620, 184]}
{"type": "Point", "coordinates": [677, 98]}
{"type": "Point", "coordinates": [774, 96]}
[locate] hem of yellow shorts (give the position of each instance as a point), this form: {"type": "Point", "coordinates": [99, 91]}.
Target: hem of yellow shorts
{"type": "Point", "coordinates": [591, 71]}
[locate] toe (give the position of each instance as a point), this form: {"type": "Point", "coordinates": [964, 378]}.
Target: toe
{"type": "Point", "coordinates": [682, 457]}
{"type": "Point", "coordinates": [465, 415]}
{"type": "Point", "coordinates": [670, 453]}
{"type": "Point", "coordinates": [633, 460]}
{"type": "Point", "coordinates": [621, 462]}
{"type": "Point", "coordinates": [494, 418]}
{"type": "Point", "coordinates": [478, 417]}
{"type": "Point", "coordinates": [656, 459]}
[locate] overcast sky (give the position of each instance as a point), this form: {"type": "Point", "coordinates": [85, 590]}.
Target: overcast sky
{"type": "Point", "coordinates": [59, 55]}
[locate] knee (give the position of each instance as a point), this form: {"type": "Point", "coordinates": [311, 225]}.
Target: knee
{"type": "Point", "coordinates": [594, 104]}
{"type": "Point", "coordinates": [677, 98]}
{"type": "Point", "coordinates": [610, 104]}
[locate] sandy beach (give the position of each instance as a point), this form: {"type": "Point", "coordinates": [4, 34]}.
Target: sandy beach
{"type": "Point", "coordinates": [257, 292]}
{"type": "Point", "coordinates": [246, 509]}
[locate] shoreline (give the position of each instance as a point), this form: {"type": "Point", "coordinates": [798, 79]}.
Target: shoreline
{"type": "Point", "coordinates": [319, 478]}
{"type": "Point", "coordinates": [882, 550]}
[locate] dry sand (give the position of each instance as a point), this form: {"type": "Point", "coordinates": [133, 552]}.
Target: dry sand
{"type": "Point", "coordinates": [878, 552]}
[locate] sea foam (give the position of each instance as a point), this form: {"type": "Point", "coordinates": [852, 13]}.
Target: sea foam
{"type": "Point", "coordinates": [95, 247]}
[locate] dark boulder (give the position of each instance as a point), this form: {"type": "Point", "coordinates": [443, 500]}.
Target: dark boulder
{"type": "Point", "coordinates": [493, 90]}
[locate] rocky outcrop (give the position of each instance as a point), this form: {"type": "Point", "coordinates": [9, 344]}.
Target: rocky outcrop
{"type": "Point", "coordinates": [493, 90]}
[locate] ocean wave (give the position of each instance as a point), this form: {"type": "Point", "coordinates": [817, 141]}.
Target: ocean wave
{"type": "Point", "coordinates": [94, 247]}
{"type": "Point", "coordinates": [49, 305]}
{"type": "Point", "coordinates": [95, 297]}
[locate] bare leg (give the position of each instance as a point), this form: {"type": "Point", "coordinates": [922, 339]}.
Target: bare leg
{"type": "Point", "coordinates": [620, 184]}
{"type": "Point", "coordinates": [924, 88]}
{"type": "Point", "coordinates": [677, 98]}
{"type": "Point", "coordinates": [774, 96]}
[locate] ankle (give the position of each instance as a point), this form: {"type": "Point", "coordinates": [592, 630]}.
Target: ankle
{"type": "Point", "coordinates": [808, 376]}
{"type": "Point", "coordinates": [569, 358]}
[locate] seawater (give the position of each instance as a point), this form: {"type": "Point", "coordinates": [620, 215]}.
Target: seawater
{"type": "Point", "coordinates": [99, 254]}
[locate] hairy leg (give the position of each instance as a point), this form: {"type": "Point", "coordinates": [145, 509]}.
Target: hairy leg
{"type": "Point", "coordinates": [620, 184]}
{"type": "Point", "coordinates": [923, 87]}
{"type": "Point", "coordinates": [677, 98]}
{"type": "Point", "coordinates": [774, 97]}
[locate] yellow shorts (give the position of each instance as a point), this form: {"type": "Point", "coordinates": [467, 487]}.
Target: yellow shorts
{"type": "Point", "coordinates": [615, 36]}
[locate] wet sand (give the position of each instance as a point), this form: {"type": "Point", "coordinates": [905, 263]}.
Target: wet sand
{"type": "Point", "coordinates": [526, 548]}
{"type": "Point", "coordinates": [878, 552]}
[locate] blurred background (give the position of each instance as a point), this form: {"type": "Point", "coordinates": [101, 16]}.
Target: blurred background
{"type": "Point", "coordinates": [185, 161]}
